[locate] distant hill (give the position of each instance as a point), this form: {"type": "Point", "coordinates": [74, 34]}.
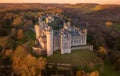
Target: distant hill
{"type": "Point", "coordinates": [91, 11]}
{"type": "Point", "coordinates": [105, 6]}
{"type": "Point", "coordinates": [90, 7]}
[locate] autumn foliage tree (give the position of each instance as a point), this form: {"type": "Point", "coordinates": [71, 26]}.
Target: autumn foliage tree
{"type": "Point", "coordinates": [94, 73]}
{"type": "Point", "coordinates": [20, 34]}
{"type": "Point", "coordinates": [108, 23]}
{"type": "Point", "coordinates": [102, 52]}
{"type": "Point", "coordinates": [17, 21]}
{"type": "Point", "coordinates": [25, 64]}
{"type": "Point", "coordinates": [78, 73]}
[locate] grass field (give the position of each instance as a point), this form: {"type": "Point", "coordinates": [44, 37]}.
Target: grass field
{"type": "Point", "coordinates": [77, 57]}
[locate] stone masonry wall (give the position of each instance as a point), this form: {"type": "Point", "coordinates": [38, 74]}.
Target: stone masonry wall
{"type": "Point", "coordinates": [89, 47]}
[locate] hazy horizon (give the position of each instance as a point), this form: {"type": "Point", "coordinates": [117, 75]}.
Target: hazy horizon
{"type": "Point", "coordinates": [62, 1]}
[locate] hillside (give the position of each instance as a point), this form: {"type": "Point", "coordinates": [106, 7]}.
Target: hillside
{"type": "Point", "coordinates": [106, 12]}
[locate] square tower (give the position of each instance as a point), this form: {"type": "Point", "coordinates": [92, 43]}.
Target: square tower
{"type": "Point", "coordinates": [65, 44]}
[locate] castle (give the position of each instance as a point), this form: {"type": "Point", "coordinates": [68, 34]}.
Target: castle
{"type": "Point", "coordinates": [50, 40]}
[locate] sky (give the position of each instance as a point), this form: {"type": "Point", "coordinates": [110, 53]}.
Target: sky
{"type": "Point", "coordinates": [62, 1]}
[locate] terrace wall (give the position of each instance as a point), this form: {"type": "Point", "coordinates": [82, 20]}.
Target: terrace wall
{"type": "Point", "coordinates": [89, 47]}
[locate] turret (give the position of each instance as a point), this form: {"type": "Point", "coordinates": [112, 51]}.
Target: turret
{"type": "Point", "coordinates": [67, 26]}
{"type": "Point", "coordinates": [49, 35]}
{"type": "Point", "coordinates": [49, 19]}
{"type": "Point", "coordinates": [41, 22]}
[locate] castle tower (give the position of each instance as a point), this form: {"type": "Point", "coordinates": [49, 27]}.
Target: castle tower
{"type": "Point", "coordinates": [69, 24]}
{"type": "Point", "coordinates": [49, 19]}
{"type": "Point", "coordinates": [65, 25]}
{"type": "Point", "coordinates": [49, 35]}
{"type": "Point", "coordinates": [65, 44]}
{"type": "Point", "coordinates": [37, 30]}
{"type": "Point", "coordinates": [40, 22]}
{"type": "Point", "coordinates": [46, 20]}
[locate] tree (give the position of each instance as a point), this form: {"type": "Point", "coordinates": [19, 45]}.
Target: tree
{"type": "Point", "coordinates": [78, 73]}
{"type": "Point", "coordinates": [108, 23]}
{"type": "Point", "coordinates": [117, 43]}
{"type": "Point", "coordinates": [27, 24]}
{"type": "Point", "coordinates": [20, 34]}
{"type": "Point", "coordinates": [4, 43]}
{"type": "Point", "coordinates": [17, 21]}
{"type": "Point", "coordinates": [117, 64]}
{"type": "Point", "coordinates": [25, 64]}
{"type": "Point", "coordinates": [13, 33]}
{"type": "Point", "coordinates": [3, 32]}
{"type": "Point", "coordinates": [94, 73]}
{"type": "Point", "coordinates": [102, 52]}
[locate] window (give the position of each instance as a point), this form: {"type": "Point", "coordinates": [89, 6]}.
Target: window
{"type": "Point", "coordinates": [71, 41]}
{"type": "Point", "coordinates": [79, 41]}
{"type": "Point", "coordinates": [65, 45]}
{"type": "Point", "coordinates": [75, 41]}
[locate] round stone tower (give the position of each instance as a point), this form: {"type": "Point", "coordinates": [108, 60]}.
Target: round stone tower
{"type": "Point", "coordinates": [49, 35]}
{"type": "Point", "coordinates": [37, 30]}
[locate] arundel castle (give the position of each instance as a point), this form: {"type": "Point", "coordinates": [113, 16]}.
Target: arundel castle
{"type": "Point", "coordinates": [64, 39]}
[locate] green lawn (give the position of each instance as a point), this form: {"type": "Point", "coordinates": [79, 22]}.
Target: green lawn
{"type": "Point", "coordinates": [77, 57]}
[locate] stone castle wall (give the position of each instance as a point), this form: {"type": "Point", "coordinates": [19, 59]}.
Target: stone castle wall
{"type": "Point", "coordinates": [89, 47]}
